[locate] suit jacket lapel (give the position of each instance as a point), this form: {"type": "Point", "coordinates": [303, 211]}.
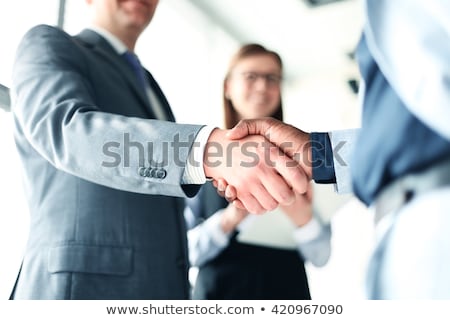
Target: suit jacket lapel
{"type": "Point", "coordinates": [101, 47]}
{"type": "Point", "coordinates": [162, 99]}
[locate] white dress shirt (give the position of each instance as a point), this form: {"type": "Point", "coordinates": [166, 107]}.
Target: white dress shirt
{"type": "Point", "coordinates": [207, 239]}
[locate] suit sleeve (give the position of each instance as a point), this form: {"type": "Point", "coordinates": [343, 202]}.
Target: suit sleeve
{"type": "Point", "coordinates": [55, 111]}
{"type": "Point", "coordinates": [331, 157]}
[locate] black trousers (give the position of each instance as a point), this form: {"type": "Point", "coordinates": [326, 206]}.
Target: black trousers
{"type": "Point", "coordinates": [250, 272]}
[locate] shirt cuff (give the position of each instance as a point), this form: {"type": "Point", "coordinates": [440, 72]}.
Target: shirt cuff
{"type": "Point", "coordinates": [342, 142]}
{"type": "Point", "coordinates": [194, 172]}
{"type": "Point", "coordinates": [308, 232]}
{"type": "Point", "coordinates": [322, 158]}
{"type": "Point", "coordinates": [214, 229]}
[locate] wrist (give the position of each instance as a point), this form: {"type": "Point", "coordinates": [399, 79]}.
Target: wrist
{"type": "Point", "coordinates": [298, 217]}
{"type": "Point", "coordinates": [213, 153]}
{"type": "Point", "coordinates": [226, 224]}
{"type": "Point", "coordinates": [303, 153]}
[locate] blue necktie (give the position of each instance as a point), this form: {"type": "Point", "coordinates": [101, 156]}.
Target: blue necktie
{"type": "Point", "coordinates": [134, 62]}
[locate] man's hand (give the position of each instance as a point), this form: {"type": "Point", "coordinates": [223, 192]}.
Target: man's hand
{"type": "Point", "coordinates": [262, 176]}
{"type": "Point", "coordinates": [292, 141]}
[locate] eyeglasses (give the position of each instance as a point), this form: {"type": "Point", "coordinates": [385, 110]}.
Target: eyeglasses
{"type": "Point", "coordinates": [271, 79]}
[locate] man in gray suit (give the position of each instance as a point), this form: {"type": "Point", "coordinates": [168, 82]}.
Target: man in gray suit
{"type": "Point", "coordinates": [103, 169]}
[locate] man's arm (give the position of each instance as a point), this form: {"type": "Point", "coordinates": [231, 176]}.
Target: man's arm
{"type": "Point", "coordinates": [57, 113]}
{"type": "Point", "coordinates": [58, 116]}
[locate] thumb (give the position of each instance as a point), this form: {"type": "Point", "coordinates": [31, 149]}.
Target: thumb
{"type": "Point", "coordinates": [247, 127]}
{"type": "Point", "coordinates": [239, 131]}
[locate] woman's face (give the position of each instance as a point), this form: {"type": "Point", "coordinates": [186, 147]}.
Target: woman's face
{"type": "Point", "coordinates": [254, 86]}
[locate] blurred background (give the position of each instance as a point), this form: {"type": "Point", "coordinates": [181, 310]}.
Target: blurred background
{"type": "Point", "coordinates": [187, 48]}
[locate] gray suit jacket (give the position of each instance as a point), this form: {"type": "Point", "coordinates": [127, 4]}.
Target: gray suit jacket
{"type": "Point", "coordinates": [101, 177]}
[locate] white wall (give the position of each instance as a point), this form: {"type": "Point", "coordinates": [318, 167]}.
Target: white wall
{"type": "Point", "coordinates": [16, 17]}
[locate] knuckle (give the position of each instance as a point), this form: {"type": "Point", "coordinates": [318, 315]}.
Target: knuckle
{"type": "Point", "coordinates": [286, 196]}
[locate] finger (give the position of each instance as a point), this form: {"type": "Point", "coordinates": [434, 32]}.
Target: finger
{"type": "Point", "coordinates": [264, 197]}
{"type": "Point", "coordinates": [251, 204]}
{"type": "Point", "coordinates": [285, 174]}
{"type": "Point", "coordinates": [238, 204]}
{"type": "Point", "coordinates": [221, 193]}
{"type": "Point", "coordinates": [248, 127]}
{"type": "Point", "coordinates": [277, 187]}
{"type": "Point", "coordinates": [230, 193]}
{"type": "Point", "coordinates": [239, 131]}
{"type": "Point", "coordinates": [221, 185]}
{"type": "Point", "coordinates": [290, 170]}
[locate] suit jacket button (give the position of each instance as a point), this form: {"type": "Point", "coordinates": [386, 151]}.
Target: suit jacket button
{"type": "Point", "coordinates": [161, 174]}
{"type": "Point", "coordinates": [153, 172]}
{"type": "Point", "coordinates": [147, 172]}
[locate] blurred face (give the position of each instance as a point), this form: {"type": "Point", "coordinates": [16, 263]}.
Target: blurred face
{"type": "Point", "coordinates": [122, 16]}
{"type": "Point", "coordinates": [254, 86]}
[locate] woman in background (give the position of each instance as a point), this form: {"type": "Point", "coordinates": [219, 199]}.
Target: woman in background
{"type": "Point", "coordinates": [240, 255]}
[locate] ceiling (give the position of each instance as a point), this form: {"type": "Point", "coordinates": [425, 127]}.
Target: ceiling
{"type": "Point", "coordinates": [314, 41]}
{"type": "Point", "coordinates": [310, 39]}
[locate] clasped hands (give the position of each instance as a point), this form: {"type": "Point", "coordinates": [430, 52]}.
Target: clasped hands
{"type": "Point", "coordinates": [259, 164]}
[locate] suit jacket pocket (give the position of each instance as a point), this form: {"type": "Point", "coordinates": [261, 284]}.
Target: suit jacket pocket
{"type": "Point", "coordinates": [107, 260]}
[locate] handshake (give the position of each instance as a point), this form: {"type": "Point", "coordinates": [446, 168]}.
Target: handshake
{"type": "Point", "coordinates": [266, 163]}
